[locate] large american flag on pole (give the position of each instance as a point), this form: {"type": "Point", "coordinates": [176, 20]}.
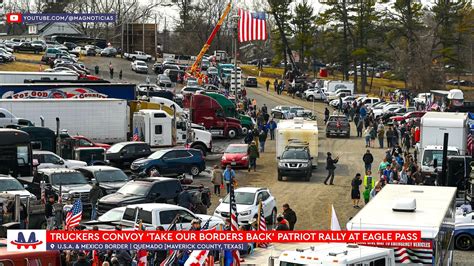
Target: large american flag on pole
{"type": "Point", "coordinates": [262, 225]}
{"type": "Point", "coordinates": [252, 26]}
{"type": "Point", "coordinates": [234, 223]}
{"type": "Point", "coordinates": [469, 143]}
{"type": "Point", "coordinates": [74, 216]}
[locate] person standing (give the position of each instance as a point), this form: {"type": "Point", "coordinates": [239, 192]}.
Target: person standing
{"type": "Point", "coordinates": [326, 115]}
{"type": "Point", "coordinates": [380, 135]}
{"type": "Point", "coordinates": [94, 195]}
{"type": "Point", "coordinates": [368, 159]}
{"type": "Point", "coordinates": [262, 138]}
{"type": "Point", "coordinates": [253, 154]}
{"type": "Point", "coordinates": [330, 166]}
{"type": "Point", "coordinates": [359, 126]}
{"type": "Point", "coordinates": [49, 213]}
{"type": "Point", "coordinates": [290, 216]}
{"type": "Point", "coordinates": [217, 179]}
{"type": "Point", "coordinates": [272, 125]}
{"type": "Point", "coordinates": [407, 141]}
{"type": "Point", "coordinates": [185, 200]}
{"type": "Point", "coordinates": [120, 74]}
{"type": "Point", "coordinates": [268, 84]}
{"type": "Point", "coordinates": [389, 135]}
{"type": "Point", "coordinates": [264, 109]}
{"type": "Point", "coordinates": [275, 85]}
{"type": "Point", "coordinates": [367, 137]}
{"type": "Point", "coordinates": [96, 70]}
{"type": "Point", "coordinates": [282, 224]}
{"type": "Point", "coordinates": [229, 176]}
{"type": "Point", "coordinates": [111, 70]}
{"type": "Point", "coordinates": [355, 192]}
{"type": "Point", "coordinates": [368, 184]}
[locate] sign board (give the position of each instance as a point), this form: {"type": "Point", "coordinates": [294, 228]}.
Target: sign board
{"type": "Point", "coordinates": [239, 79]}
{"type": "Point", "coordinates": [32, 29]}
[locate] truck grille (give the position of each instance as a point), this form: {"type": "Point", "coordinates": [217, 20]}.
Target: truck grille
{"type": "Point", "coordinates": [84, 196]}
{"type": "Point", "coordinates": [293, 165]}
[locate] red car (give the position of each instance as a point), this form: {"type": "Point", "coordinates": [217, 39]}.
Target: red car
{"type": "Point", "coordinates": [416, 114]}
{"type": "Point", "coordinates": [236, 156]}
{"type": "Point", "coordinates": [85, 142]}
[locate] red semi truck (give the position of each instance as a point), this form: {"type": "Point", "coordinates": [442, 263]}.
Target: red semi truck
{"type": "Point", "coordinates": [209, 113]}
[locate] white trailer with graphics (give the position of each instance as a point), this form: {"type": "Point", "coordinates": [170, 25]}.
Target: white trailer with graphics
{"type": "Point", "coordinates": [301, 130]}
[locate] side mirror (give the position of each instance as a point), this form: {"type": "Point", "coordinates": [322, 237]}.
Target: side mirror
{"type": "Point", "coordinates": [61, 162]}
{"type": "Point", "coordinates": [220, 200]}
{"type": "Point", "coordinates": [25, 186]}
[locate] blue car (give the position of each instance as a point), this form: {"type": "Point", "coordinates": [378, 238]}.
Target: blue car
{"type": "Point", "coordinates": [171, 162]}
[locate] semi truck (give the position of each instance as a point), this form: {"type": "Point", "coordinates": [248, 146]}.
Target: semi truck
{"type": "Point", "coordinates": [67, 90]}
{"type": "Point", "coordinates": [429, 209]}
{"type": "Point", "coordinates": [300, 130]}
{"type": "Point", "coordinates": [14, 77]}
{"type": "Point", "coordinates": [230, 110]}
{"type": "Point", "coordinates": [208, 112]}
{"type": "Point", "coordinates": [432, 128]}
{"type": "Point", "coordinates": [15, 148]}
{"type": "Point", "coordinates": [102, 120]}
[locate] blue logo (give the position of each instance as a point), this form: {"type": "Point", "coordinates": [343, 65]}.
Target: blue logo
{"type": "Point", "coordinates": [21, 242]}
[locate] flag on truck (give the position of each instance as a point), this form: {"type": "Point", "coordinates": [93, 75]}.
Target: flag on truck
{"type": "Point", "coordinates": [262, 225]}
{"type": "Point", "coordinates": [252, 26]}
{"type": "Point", "coordinates": [74, 216]}
{"type": "Point", "coordinates": [136, 137]}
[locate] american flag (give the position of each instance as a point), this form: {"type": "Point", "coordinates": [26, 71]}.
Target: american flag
{"type": "Point", "coordinates": [74, 216]}
{"type": "Point", "coordinates": [469, 143]}
{"type": "Point", "coordinates": [136, 137]}
{"type": "Point", "coordinates": [252, 26]}
{"type": "Point", "coordinates": [141, 254]}
{"type": "Point", "coordinates": [234, 223]}
{"type": "Point", "coordinates": [173, 255]}
{"type": "Point", "coordinates": [262, 225]}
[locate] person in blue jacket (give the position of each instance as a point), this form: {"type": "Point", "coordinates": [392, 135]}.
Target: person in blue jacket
{"type": "Point", "coordinates": [272, 125]}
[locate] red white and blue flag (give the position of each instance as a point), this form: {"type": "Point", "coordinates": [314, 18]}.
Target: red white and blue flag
{"type": "Point", "coordinates": [136, 137]}
{"type": "Point", "coordinates": [469, 143]}
{"type": "Point", "coordinates": [234, 224]}
{"type": "Point", "coordinates": [74, 216]}
{"type": "Point", "coordinates": [262, 225]}
{"type": "Point", "coordinates": [252, 26]}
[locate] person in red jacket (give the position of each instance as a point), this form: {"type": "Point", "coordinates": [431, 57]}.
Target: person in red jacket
{"type": "Point", "coordinates": [282, 224]}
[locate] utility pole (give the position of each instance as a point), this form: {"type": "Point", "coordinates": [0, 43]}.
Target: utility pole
{"type": "Point", "coordinates": [235, 18]}
{"type": "Point", "coordinates": [156, 40]}
{"type": "Point", "coordinates": [121, 35]}
{"type": "Point", "coordinates": [143, 35]}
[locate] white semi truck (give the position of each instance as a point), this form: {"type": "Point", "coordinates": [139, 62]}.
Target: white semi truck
{"type": "Point", "coordinates": [432, 128]}
{"type": "Point", "coordinates": [13, 77]}
{"type": "Point", "coordinates": [101, 120]}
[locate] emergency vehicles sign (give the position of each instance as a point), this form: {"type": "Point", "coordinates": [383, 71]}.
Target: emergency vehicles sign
{"type": "Point", "coordinates": [26, 240]}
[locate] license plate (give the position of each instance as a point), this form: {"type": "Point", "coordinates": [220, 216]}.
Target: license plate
{"type": "Point", "coordinates": [233, 163]}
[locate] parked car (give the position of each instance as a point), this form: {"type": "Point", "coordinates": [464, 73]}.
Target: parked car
{"type": "Point", "coordinates": [345, 100]}
{"type": "Point", "coordinates": [247, 200]}
{"type": "Point", "coordinates": [298, 111]}
{"type": "Point", "coordinates": [109, 52]}
{"type": "Point", "coordinates": [10, 185]}
{"type": "Point", "coordinates": [314, 94]}
{"type": "Point", "coordinates": [47, 159]}
{"type": "Point", "coordinates": [85, 142]}
{"type": "Point", "coordinates": [137, 55]}
{"type": "Point", "coordinates": [164, 81]}
{"type": "Point", "coordinates": [70, 45]}
{"type": "Point", "coordinates": [212, 71]}
{"type": "Point", "coordinates": [50, 53]}
{"type": "Point", "coordinates": [235, 155]}
{"type": "Point", "coordinates": [139, 66]}
{"type": "Point", "coordinates": [27, 47]}
{"type": "Point", "coordinates": [338, 125]}
{"type": "Point", "coordinates": [413, 114]}
{"type": "Point", "coordinates": [295, 161]}
{"type": "Point", "coordinates": [390, 107]}
{"type": "Point", "coordinates": [175, 75]}
{"type": "Point", "coordinates": [190, 90]}
{"type": "Point", "coordinates": [281, 112]}
{"type": "Point", "coordinates": [110, 179]}
{"type": "Point", "coordinates": [251, 82]}
{"type": "Point", "coordinates": [112, 215]}
{"type": "Point", "coordinates": [39, 43]}
{"type": "Point", "coordinates": [123, 154]}
{"type": "Point", "coordinates": [171, 162]}
{"type": "Point", "coordinates": [4, 46]}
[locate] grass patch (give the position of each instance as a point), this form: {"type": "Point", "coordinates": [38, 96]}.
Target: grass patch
{"type": "Point", "coordinates": [28, 56]}
{"type": "Point", "coordinates": [20, 66]}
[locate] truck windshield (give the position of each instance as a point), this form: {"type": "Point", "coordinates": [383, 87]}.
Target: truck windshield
{"type": "Point", "coordinates": [135, 188]}
{"type": "Point", "coordinates": [431, 155]}
{"type": "Point", "coordinates": [243, 198]}
{"type": "Point", "coordinates": [295, 154]}
{"type": "Point", "coordinates": [68, 179]}
{"type": "Point", "coordinates": [110, 176]}
{"type": "Point", "coordinates": [10, 185]}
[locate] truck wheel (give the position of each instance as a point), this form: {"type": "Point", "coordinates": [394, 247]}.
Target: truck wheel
{"type": "Point", "coordinates": [194, 171]}
{"type": "Point", "coordinates": [279, 177]}
{"type": "Point", "coordinates": [134, 58]}
{"type": "Point", "coordinates": [200, 147]}
{"type": "Point", "coordinates": [464, 242]}
{"type": "Point", "coordinates": [245, 130]}
{"type": "Point", "coordinates": [232, 133]}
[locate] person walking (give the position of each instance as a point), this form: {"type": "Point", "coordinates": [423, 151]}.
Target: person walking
{"type": "Point", "coordinates": [268, 84]}
{"type": "Point", "coordinates": [49, 213]}
{"type": "Point", "coordinates": [275, 85]}
{"type": "Point", "coordinates": [389, 135]}
{"type": "Point", "coordinates": [253, 154]}
{"type": "Point", "coordinates": [407, 141]}
{"type": "Point", "coordinates": [330, 166]}
{"type": "Point", "coordinates": [217, 179]}
{"type": "Point", "coordinates": [368, 183]}
{"type": "Point", "coordinates": [120, 74]}
{"type": "Point", "coordinates": [111, 70]}
{"type": "Point", "coordinates": [367, 136]}
{"type": "Point", "coordinates": [360, 126]}
{"type": "Point", "coordinates": [355, 192]}
{"type": "Point", "coordinates": [290, 216]}
{"type": "Point", "coordinates": [380, 135]}
{"type": "Point", "coordinates": [94, 195]}
{"type": "Point", "coordinates": [262, 138]}
{"type": "Point", "coordinates": [326, 115]}
{"type": "Point", "coordinates": [229, 175]}
{"type": "Point", "coordinates": [272, 125]}
{"type": "Point", "coordinates": [368, 159]}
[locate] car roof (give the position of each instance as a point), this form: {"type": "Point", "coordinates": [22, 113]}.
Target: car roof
{"type": "Point", "coordinates": [43, 152]}
{"type": "Point", "coordinates": [94, 168]}
{"type": "Point", "coordinates": [250, 189]}
{"type": "Point", "coordinates": [4, 177]}
{"type": "Point", "coordinates": [129, 142]}
{"type": "Point", "coordinates": [153, 179]}
{"type": "Point", "coordinates": [57, 170]}
{"type": "Point", "coordinates": [153, 206]}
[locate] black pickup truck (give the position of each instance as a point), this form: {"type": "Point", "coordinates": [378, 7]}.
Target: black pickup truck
{"type": "Point", "coordinates": [150, 190]}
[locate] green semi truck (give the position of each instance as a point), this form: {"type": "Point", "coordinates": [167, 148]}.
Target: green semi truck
{"type": "Point", "coordinates": [231, 111]}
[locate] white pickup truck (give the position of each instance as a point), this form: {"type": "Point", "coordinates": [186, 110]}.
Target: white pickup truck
{"type": "Point", "coordinates": [137, 55]}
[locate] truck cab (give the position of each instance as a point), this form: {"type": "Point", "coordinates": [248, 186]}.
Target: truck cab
{"type": "Point", "coordinates": [16, 151]}
{"type": "Point", "coordinates": [432, 153]}
{"type": "Point", "coordinates": [230, 110]}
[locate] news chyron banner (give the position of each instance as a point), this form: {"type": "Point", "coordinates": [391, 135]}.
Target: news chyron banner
{"type": "Point", "coordinates": [40, 240]}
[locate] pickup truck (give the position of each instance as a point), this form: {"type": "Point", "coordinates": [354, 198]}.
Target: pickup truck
{"type": "Point", "coordinates": [137, 55]}
{"type": "Point", "coordinates": [149, 190]}
{"type": "Point", "coordinates": [153, 215]}
{"type": "Point", "coordinates": [72, 184]}
{"type": "Point", "coordinates": [338, 125]}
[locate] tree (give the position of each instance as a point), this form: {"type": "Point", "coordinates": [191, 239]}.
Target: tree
{"type": "Point", "coordinates": [303, 29]}
{"type": "Point", "coordinates": [281, 14]}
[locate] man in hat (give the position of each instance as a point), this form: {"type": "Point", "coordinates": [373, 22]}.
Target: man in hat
{"type": "Point", "coordinates": [330, 166]}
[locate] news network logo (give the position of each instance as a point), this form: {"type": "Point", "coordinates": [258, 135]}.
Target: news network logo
{"type": "Point", "coordinates": [14, 17]}
{"type": "Point", "coordinates": [26, 240]}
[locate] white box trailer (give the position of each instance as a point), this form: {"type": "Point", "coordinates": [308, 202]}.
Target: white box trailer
{"type": "Point", "coordinates": [14, 77]}
{"type": "Point", "coordinates": [429, 209]}
{"type": "Point", "coordinates": [101, 120]}
{"type": "Point", "coordinates": [298, 129]}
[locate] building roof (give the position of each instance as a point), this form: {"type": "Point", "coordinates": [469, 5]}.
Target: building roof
{"type": "Point", "coordinates": [432, 205]}
{"type": "Point", "coordinates": [58, 28]}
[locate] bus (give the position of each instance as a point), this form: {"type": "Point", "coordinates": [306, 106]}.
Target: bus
{"type": "Point", "coordinates": [15, 153]}
{"type": "Point", "coordinates": [80, 40]}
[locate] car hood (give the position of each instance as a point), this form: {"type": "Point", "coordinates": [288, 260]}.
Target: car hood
{"type": "Point", "coordinates": [121, 198]}
{"type": "Point", "coordinates": [142, 161]}
{"type": "Point", "coordinates": [213, 220]}
{"type": "Point", "coordinates": [75, 162]}
{"type": "Point", "coordinates": [23, 193]}
{"type": "Point", "coordinates": [112, 185]}
{"type": "Point", "coordinates": [234, 156]}
{"type": "Point", "coordinates": [74, 188]}
{"type": "Point", "coordinates": [102, 145]}
{"type": "Point", "coordinates": [224, 207]}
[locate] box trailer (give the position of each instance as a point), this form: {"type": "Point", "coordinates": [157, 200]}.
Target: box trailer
{"type": "Point", "coordinates": [429, 209]}
{"type": "Point", "coordinates": [101, 120]}
{"type": "Point", "coordinates": [298, 129]}
{"type": "Point", "coordinates": [13, 77]}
